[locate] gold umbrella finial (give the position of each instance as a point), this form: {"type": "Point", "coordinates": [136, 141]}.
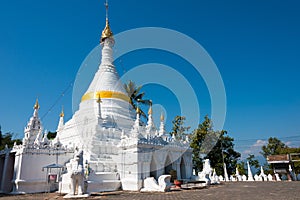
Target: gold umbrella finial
{"type": "Point", "coordinates": [36, 105]}
{"type": "Point", "coordinates": [106, 33]}
{"type": "Point", "coordinates": [150, 111]}
{"type": "Point", "coordinates": [62, 114]}
{"type": "Point", "coordinates": [162, 117]}
{"type": "Point", "coordinates": [98, 98]}
{"type": "Point", "coordinates": [138, 110]}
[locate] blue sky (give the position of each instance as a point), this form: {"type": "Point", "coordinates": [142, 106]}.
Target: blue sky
{"type": "Point", "coordinates": [255, 45]}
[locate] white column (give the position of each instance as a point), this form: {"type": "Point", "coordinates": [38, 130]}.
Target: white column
{"type": "Point", "coordinates": [178, 169]}
{"type": "Point", "coordinates": [4, 176]}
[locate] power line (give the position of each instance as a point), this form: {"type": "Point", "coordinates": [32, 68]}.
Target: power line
{"type": "Point", "coordinates": [58, 99]}
{"type": "Point", "coordinates": [255, 139]}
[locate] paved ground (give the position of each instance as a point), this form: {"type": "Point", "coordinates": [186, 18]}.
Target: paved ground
{"type": "Point", "coordinates": [232, 191]}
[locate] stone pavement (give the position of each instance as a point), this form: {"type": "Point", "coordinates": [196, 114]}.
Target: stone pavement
{"type": "Point", "coordinates": [226, 191]}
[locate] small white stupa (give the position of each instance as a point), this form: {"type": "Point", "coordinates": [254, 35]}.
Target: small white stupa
{"type": "Point", "coordinates": [250, 176]}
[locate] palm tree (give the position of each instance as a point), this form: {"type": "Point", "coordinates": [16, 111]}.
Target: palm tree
{"type": "Point", "coordinates": [136, 97]}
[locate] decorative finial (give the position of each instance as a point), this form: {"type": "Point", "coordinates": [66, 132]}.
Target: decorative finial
{"type": "Point", "coordinates": [106, 33]}
{"type": "Point", "coordinates": [106, 7]}
{"type": "Point", "coordinates": [36, 105]}
{"type": "Point", "coordinates": [150, 110]}
{"type": "Point", "coordinates": [98, 98]}
{"type": "Point", "coordinates": [138, 111]}
{"type": "Point", "coordinates": [62, 114]}
{"type": "Point", "coordinates": [162, 117]}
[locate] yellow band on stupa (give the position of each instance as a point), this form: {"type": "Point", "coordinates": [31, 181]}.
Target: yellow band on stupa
{"type": "Point", "coordinates": [105, 95]}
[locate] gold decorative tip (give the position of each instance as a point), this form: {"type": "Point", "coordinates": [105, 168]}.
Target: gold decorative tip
{"type": "Point", "coordinates": [106, 33]}
{"type": "Point", "coordinates": [138, 110]}
{"type": "Point", "coordinates": [98, 98]}
{"type": "Point", "coordinates": [162, 117]}
{"type": "Point", "coordinates": [36, 105]}
{"type": "Point", "coordinates": [62, 114]}
{"type": "Point", "coordinates": [150, 111]}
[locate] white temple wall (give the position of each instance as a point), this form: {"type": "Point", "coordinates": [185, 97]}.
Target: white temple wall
{"type": "Point", "coordinates": [118, 112]}
{"type": "Point", "coordinates": [84, 124]}
{"type": "Point", "coordinates": [129, 170]}
{"type": "Point", "coordinates": [169, 157]}
{"type": "Point", "coordinates": [146, 169]}
{"type": "Point", "coordinates": [176, 166]}
{"type": "Point", "coordinates": [29, 176]}
{"type": "Point", "coordinates": [156, 160]}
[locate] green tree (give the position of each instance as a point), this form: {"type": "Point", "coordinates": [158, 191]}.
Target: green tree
{"type": "Point", "coordinates": [290, 150]}
{"type": "Point", "coordinates": [268, 168]}
{"type": "Point", "coordinates": [252, 161]}
{"type": "Point", "coordinates": [214, 145]}
{"type": "Point", "coordinates": [277, 147]}
{"type": "Point", "coordinates": [6, 139]}
{"type": "Point", "coordinates": [178, 129]}
{"type": "Point", "coordinates": [136, 97]}
{"type": "Point", "coordinates": [51, 135]}
{"type": "Point", "coordinates": [225, 144]}
{"type": "Point", "coordinates": [242, 167]}
{"type": "Point", "coordinates": [274, 147]}
{"type": "Point", "coordinates": [198, 136]}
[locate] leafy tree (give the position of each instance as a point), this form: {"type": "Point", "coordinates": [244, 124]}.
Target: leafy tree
{"type": "Point", "coordinates": [242, 167]}
{"type": "Point", "coordinates": [1, 137]}
{"type": "Point", "coordinates": [198, 136]}
{"type": "Point", "coordinates": [136, 97]}
{"type": "Point", "coordinates": [290, 150]}
{"type": "Point", "coordinates": [225, 144]}
{"type": "Point", "coordinates": [277, 147]}
{"type": "Point", "coordinates": [178, 129]}
{"type": "Point", "coordinates": [268, 169]}
{"type": "Point", "coordinates": [252, 161]}
{"type": "Point", "coordinates": [6, 139]}
{"type": "Point", "coordinates": [215, 145]}
{"type": "Point", "coordinates": [274, 147]}
{"type": "Point", "coordinates": [51, 135]}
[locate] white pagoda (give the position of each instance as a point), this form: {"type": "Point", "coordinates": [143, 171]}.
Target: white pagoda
{"type": "Point", "coordinates": [118, 150]}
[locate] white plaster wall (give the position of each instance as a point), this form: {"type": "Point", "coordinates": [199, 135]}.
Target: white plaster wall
{"type": "Point", "coordinates": [29, 177]}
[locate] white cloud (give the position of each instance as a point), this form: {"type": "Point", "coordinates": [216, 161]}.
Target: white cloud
{"type": "Point", "coordinates": [288, 143]}
{"type": "Point", "coordinates": [259, 143]}
{"type": "Point", "coordinates": [254, 149]}
{"type": "Point", "coordinates": [247, 152]}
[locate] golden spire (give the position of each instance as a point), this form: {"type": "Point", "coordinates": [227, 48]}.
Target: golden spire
{"type": "Point", "coordinates": [162, 117]}
{"type": "Point", "coordinates": [62, 114]}
{"type": "Point", "coordinates": [150, 110]}
{"type": "Point", "coordinates": [36, 105]}
{"type": "Point", "coordinates": [99, 98]}
{"type": "Point", "coordinates": [106, 33]}
{"type": "Point", "coordinates": [138, 110]}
